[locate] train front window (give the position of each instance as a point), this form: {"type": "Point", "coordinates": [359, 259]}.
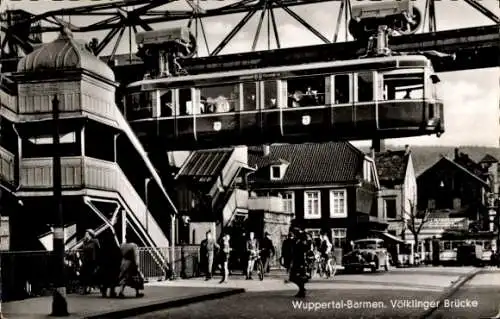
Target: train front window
{"type": "Point", "coordinates": [307, 91]}
{"type": "Point", "coordinates": [249, 96]}
{"type": "Point", "coordinates": [270, 96]}
{"type": "Point", "coordinates": [403, 86]}
{"type": "Point", "coordinates": [219, 99]}
{"type": "Point", "coordinates": [365, 87]}
{"type": "Point", "coordinates": [342, 88]}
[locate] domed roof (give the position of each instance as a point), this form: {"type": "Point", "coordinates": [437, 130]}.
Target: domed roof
{"type": "Point", "coordinates": [65, 53]}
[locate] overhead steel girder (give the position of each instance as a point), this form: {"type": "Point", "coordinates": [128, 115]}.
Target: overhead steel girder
{"type": "Point", "coordinates": [485, 11]}
{"type": "Point", "coordinates": [165, 15]}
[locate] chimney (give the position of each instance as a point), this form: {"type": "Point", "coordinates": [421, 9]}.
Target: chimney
{"type": "Point", "coordinates": [407, 149]}
{"type": "Point", "coordinates": [457, 155]}
{"type": "Point", "coordinates": [266, 150]}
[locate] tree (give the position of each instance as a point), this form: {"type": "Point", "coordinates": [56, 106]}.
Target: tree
{"type": "Point", "coordinates": [415, 220]}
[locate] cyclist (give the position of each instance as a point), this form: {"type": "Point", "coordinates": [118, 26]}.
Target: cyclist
{"type": "Point", "coordinates": [325, 250]}
{"type": "Point", "coordinates": [252, 249]}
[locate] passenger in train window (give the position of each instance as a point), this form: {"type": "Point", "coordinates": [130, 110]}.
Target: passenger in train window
{"type": "Point", "coordinates": [166, 104]}
{"type": "Point", "coordinates": [407, 95]}
{"type": "Point", "coordinates": [295, 99]}
{"type": "Point", "coordinates": [250, 102]}
{"type": "Point", "coordinates": [274, 103]}
{"type": "Point", "coordinates": [221, 104]}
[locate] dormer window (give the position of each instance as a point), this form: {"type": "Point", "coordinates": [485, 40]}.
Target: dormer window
{"type": "Point", "coordinates": [276, 172]}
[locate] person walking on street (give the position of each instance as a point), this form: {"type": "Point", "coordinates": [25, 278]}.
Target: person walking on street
{"type": "Point", "coordinates": [287, 252]}
{"type": "Point", "coordinates": [300, 262]}
{"type": "Point", "coordinates": [90, 252]}
{"type": "Point", "coordinates": [109, 264]}
{"type": "Point", "coordinates": [208, 249]}
{"type": "Point", "coordinates": [252, 251]}
{"type": "Point", "coordinates": [267, 251]}
{"type": "Point", "coordinates": [130, 274]}
{"type": "Point", "coordinates": [225, 253]}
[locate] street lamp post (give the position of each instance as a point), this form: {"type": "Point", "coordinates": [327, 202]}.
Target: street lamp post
{"type": "Point", "coordinates": [59, 303]}
{"type": "Point", "coordinates": [146, 201]}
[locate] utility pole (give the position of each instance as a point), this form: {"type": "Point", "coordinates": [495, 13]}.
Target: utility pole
{"type": "Point", "coordinates": [59, 303]}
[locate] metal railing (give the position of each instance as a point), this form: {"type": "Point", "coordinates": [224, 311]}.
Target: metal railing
{"type": "Point", "coordinates": [31, 273]}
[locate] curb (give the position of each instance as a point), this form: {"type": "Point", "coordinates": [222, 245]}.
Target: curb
{"type": "Point", "coordinates": [451, 291]}
{"type": "Point", "coordinates": [160, 305]}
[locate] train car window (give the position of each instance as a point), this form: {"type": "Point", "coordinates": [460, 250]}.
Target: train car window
{"type": "Point", "coordinates": [249, 96]}
{"type": "Point", "coordinates": [219, 99]}
{"type": "Point", "coordinates": [270, 98]}
{"type": "Point", "coordinates": [166, 106]}
{"type": "Point", "coordinates": [342, 88]}
{"type": "Point", "coordinates": [307, 91]}
{"type": "Point", "coordinates": [365, 87]}
{"type": "Point", "coordinates": [185, 102]}
{"type": "Point", "coordinates": [403, 86]}
{"type": "Point", "coordinates": [139, 105]}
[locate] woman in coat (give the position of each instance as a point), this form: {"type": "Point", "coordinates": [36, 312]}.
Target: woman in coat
{"type": "Point", "coordinates": [130, 274]}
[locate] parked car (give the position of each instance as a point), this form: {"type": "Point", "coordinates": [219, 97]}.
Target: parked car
{"type": "Point", "coordinates": [367, 253]}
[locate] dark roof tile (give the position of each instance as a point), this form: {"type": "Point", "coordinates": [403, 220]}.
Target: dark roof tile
{"type": "Point", "coordinates": [488, 159]}
{"type": "Point", "coordinates": [309, 164]}
{"type": "Point", "coordinates": [391, 166]}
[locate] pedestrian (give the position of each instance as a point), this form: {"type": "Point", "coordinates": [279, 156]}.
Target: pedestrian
{"type": "Point", "coordinates": [267, 251]}
{"type": "Point", "coordinates": [208, 248]}
{"type": "Point", "coordinates": [109, 264]}
{"type": "Point", "coordinates": [287, 252]}
{"type": "Point", "coordinates": [299, 272]}
{"type": "Point", "coordinates": [252, 252]}
{"type": "Point", "coordinates": [130, 275]}
{"type": "Point", "coordinates": [90, 251]}
{"type": "Point", "coordinates": [225, 253]}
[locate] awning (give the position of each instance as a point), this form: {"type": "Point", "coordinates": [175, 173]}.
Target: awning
{"type": "Point", "coordinates": [389, 236]}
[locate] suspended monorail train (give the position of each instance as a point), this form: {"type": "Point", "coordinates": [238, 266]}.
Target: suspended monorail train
{"type": "Point", "coordinates": [361, 99]}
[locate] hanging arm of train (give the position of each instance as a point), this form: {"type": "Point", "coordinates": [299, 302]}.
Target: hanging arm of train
{"type": "Point", "coordinates": [382, 94]}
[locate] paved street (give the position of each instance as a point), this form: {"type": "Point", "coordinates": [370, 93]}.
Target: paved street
{"type": "Point", "coordinates": [479, 298]}
{"type": "Point", "coordinates": [401, 293]}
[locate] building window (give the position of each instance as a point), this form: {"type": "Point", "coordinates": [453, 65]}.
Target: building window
{"type": "Point", "coordinates": [339, 236]}
{"type": "Point", "coordinates": [312, 205]}
{"type": "Point", "coordinates": [289, 202]}
{"type": "Point", "coordinates": [338, 203]}
{"type": "Point", "coordinates": [390, 208]}
{"type": "Point", "coordinates": [275, 172]}
{"type": "Point", "coordinates": [67, 138]}
{"type": "Point", "coordinates": [314, 232]}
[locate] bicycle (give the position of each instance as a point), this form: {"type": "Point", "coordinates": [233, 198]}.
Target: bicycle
{"type": "Point", "coordinates": [258, 265]}
{"type": "Point", "coordinates": [326, 267]}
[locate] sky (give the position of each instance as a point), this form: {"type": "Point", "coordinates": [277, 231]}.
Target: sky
{"type": "Point", "coordinates": [472, 98]}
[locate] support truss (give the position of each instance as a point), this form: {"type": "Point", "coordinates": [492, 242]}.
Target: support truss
{"type": "Point", "coordinates": [22, 31]}
{"type": "Point", "coordinates": [120, 219]}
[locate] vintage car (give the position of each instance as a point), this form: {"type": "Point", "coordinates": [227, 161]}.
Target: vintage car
{"type": "Point", "coordinates": [367, 253]}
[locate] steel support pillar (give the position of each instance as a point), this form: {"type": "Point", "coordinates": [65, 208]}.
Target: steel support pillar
{"type": "Point", "coordinates": [59, 303]}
